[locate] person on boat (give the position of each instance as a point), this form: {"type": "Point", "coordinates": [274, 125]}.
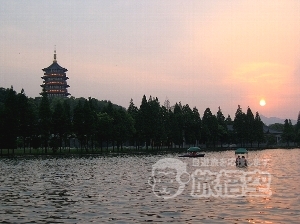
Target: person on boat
{"type": "Point", "coordinates": [238, 161]}
{"type": "Point", "coordinates": [192, 153]}
{"type": "Point", "coordinates": [243, 161]}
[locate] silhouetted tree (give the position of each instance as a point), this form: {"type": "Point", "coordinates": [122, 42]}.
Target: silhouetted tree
{"type": "Point", "coordinates": [45, 115]}
{"type": "Point", "coordinates": [78, 123]}
{"type": "Point", "coordinates": [10, 120]}
{"type": "Point", "coordinates": [297, 130]}
{"type": "Point", "coordinates": [209, 127]}
{"type": "Point", "coordinates": [143, 122]}
{"type": "Point", "coordinates": [27, 118]}
{"type": "Point", "coordinates": [240, 125]}
{"type": "Point", "coordinates": [133, 112]}
{"type": "Point", "coordinates": [59, 125]}
{"type": "Point", "coordinates": [288, 134]}
{"type": "Point", "coordinates": [104, 128]}
{"type": "Point", "coordinates": [258, 127]}
{"type": "Point", "coordinates": [222, 127]}
{"type": "Point", "coordinates": [67, 122]}
{"type": "Point", "coordinates": [123, 126]}
{"type": "Point", "coordinates": [177, 125]}
{"type": "Point", "coordinates": [250, 136]}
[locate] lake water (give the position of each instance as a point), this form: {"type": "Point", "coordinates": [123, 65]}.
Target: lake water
{"type": "Point", "coordinates": [125, 189]}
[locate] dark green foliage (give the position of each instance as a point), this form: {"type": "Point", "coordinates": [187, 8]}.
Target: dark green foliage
{"type": "Point", "coordinates": [27, 119]}
{"type": "Point", "coordinates": [191, 125]}
{"type": "Point", "coordinates": [228, 120]}
{"type": "Point", "coordinates": [104, 128]}
{"type": "Point", "coordinates": [277, 127]}
{"type": "Point", "coordinates": [222, 127]}
{"type": "Point", "coordinates": [177, 123]}
{"type": "Point", "coordinates": [9, 120]}
{"type": "Point", "coordinates": [43, 122]}
{"type": "Point", "coordinates": [133, 112]}
{"type": "Point", "coordinates": [288, 134]}
{"type": "Point", "coordinates": [258, 126]}
{"type": "Point", "coordinates": [240, 126]}
{"type": "Point", "coordinates": [45, 116]}
{"type": "Point", "coordinates": [297, 130]}
{"type": "Point", "coordinates": [61, 123]}
{"type": "Point", "coordinates": [250, 135]}
{"type": "Point", "coordinates": [78, 123]}
{"type": "Point", "coordinates": [3, 93]}
{"type": "Point", "coordinates": [165, 126]}
{"type": "Point", "coordinates": [210, 127]}
{"type": "Point", "coordinates": [143, 122]}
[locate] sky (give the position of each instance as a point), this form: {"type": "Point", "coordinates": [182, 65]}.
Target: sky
{"type": "Point", "coordinates": [204, 53]}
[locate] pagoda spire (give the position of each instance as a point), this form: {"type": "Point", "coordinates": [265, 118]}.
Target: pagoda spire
{"type": "Point", "coordinates": [54, 60]}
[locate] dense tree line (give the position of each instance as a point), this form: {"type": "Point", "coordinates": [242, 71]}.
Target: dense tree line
{"type": "Point", "coordinates": [51, 122]}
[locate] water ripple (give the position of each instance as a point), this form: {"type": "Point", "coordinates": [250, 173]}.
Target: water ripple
{"type": "Point", "coordinates": [116, 189]}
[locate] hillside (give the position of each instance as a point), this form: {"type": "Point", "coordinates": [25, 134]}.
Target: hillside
{"type": "Point", "coordinates": [273, 120]}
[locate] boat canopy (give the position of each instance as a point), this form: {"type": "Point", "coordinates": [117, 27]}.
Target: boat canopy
{"type": "Point", "coordinates": [194, 149]}
{"type": "Point", "coordinates": [241, 151]}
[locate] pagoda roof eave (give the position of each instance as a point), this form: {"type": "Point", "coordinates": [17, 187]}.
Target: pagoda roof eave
{"type": "Point", "coordinates": [55, 66]}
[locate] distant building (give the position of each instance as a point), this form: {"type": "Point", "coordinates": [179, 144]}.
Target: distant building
{"type": "Point", "coordinates": [267, 132]}
{"type": "Point", "coordinates": [276, 134]}
{"type": "Point", "coordinates": [55, 80]}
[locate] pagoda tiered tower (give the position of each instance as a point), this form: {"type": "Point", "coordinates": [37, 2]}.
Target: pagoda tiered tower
{"type": "Point", "coordinates": [55, 80]}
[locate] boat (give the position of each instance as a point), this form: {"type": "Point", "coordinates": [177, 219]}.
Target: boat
{"type": "Point", "coordinates": [193, 156]}
{"type": "Point", "coordinates": [193, 152]}
{"type": "Point", "coordinates": [241, 151]}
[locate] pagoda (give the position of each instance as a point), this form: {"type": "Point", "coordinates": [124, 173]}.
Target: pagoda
{"type": "Point", "coordinates": [55, 80]}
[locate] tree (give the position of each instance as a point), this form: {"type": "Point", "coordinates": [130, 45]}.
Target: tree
{"type": "Point", "coordinates": [45, 119]}
{"type": "Point", "coordinates": [210, 127]}
{"type": "Point", "coordinates": [145, 121]}
{"type": "Point", "coordinates": [197, 123]}
{"type": "Point", "coordinates": [27, 118]}
{"type": "Point", "coordinates": [123, 126]}
{"type": "Point", "coordinates": [85, 123]}
{"type": "Point", "coordinates": [90, 121]}
{"type": "Point", "coordinates": [165, 115]}
{"type": "Point", "coordinates": [177, 125]}
{"type": "Point", "coordinates": [104, 128]}
{"type": "Point", "coordinates": [240, 125]}
{"type": "Point", "coordinates": [277, 127]}
{"type": "Point", "coordinates": [133, 112]}
{"type": "Point", "coordinates": [10, 120]}
{"type": "Point", "coordinates": [78, 123]}
{"type": "Point", "coordinates": [150, 113]}
{"type": "Point", "coordinates": [59, 124]}
{"type": "Point", "coordinates": [34, 140]}
{"type": "Point", "coordinates": [258, 128]}
{"type": "Point", "coordinates": [222, 127]}
{"type": "Point", "coordinates": [191, 125]}
{"type": "Point", "coordinates": [228, 120]}
{"type": "Point", "coordinates": [188, 133]}
{"type": "Point", "coordinates": [297, 130]}
{"type": "Point", "coordinates": [250, 134]}
{"type": "Point", "coordinates": [288, 134]}
{"type": "Point", "coordinates": [67, 122]}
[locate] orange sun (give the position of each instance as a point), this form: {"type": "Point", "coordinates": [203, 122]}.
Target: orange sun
{"type": "Point", "coordinates": [262, 102]}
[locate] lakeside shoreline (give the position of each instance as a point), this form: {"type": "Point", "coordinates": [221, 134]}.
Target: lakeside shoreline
{"type": "Point", "coordinates": [115, 152]}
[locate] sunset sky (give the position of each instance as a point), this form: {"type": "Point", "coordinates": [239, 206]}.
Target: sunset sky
{"type": "Point", "coordinates": [205, 53]}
